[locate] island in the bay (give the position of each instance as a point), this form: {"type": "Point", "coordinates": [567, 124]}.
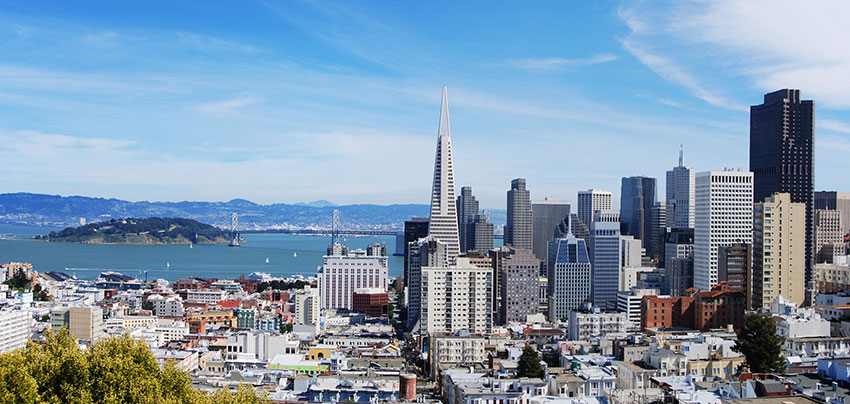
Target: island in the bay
{"type": "Point", "coordinates": [154, 230]}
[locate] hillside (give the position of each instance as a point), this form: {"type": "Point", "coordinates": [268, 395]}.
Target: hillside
{"type": "Point", "coordinates": [138, 231]}
{"type": "Point", "coordinates": [40, 209]}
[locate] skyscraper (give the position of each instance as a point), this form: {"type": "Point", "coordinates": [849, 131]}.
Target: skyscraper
{"type": "Point", "coordinates": [591, 200]}
{"type": "Point", "coordinates": [605, 258]}
{"type": "Point", "coordinates": [519, 280]}
{"type": "Point", "coordinates": [569, 276]}
{"type": "Point", "coordinates": [829, 237]}
{"type": "Point", "coordinates": [658, 231]}
{"type": "Point", "coordinates": [426, 252]}
{"type": "Point", "coordinates": [679, 260]}
{"type": "Point", "coordinates": [839, 201]}
{"type": "Point", "coordinates": [778, 250]}
{"type": "Point", "coordinates": [479, 234]}
{"type": "Point", "coordinates": [519, 226]}
{"type": "Point", "coordinates": [547, 214]}
{"type": "Point", "coordinates": [414, 229]}
{"type": "Point", "coordinates": [724, 215]}
{"type": "Point", "coordinates": [681, 182]}
{"type": "Point", "coordinates": [443, 221]}
{"type": "Point", "coordinates": [636, 200]}
{"type": "Point", "coordinates": [466, 206]}
{"type": "Point", "coordinates": [343, 271]}
{"type": "Point", "coordinates": [459, 297]}
{"type": "Point", "coordinates": [782, 154]}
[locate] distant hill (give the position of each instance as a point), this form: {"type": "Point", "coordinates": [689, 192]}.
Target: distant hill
{"type": "Point", "coordinates": [55, 210]}
{"type": "Point", "coordinates": [138, 231]}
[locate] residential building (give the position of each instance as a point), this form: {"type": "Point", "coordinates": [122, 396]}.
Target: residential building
{"type": "Point", "coordinates": [735, 267]}
{"type": "Point", "coordinates": [307, 306]}
{"type": "Point", "coordinates": [724, 215]}
{"type": "Point", "coordinates": [414, 229]}
{"type": "Point", "coordinates": [681, 194]}
{"type": "Point", "coordinates": [679, 260]}
{"type": "Point", "coordinates": [605, 258]}
{"type": "Point", "coordinates": [449, 349]}
{"type": "Point", "coordinates": [829, 235]}
{"type": "Point", "coordinates": [630, 252]}
{"type": "Point", "coordinates": [782, 156]}
{"type": "Point", "coordinates": [519, 273]}
{"type": "Point", "coordinates": [171, 306]}
{"type": "Point", "coordinates": [212, 296]}
{"type": "Point", "coordinates": [426, 252]}
{"type": "Point", "coordinates": [443, 221]}
{"type": "Point", "coordinates": [343, 271]}
{"type": "Point", "coordinates": [706, 310]}
{"type": "Point", "coordinates": [259, 346]}
{"type": "Point", "coordinates": [467, 206]}
{"type": "Point", "coordinates": [519, 228]}
{"type": "Point", "coordinates": [457, 297]}
{"type": "Point", "coordinates": [840, 201]}
{"type": "Point", "coordinates": [778, 250]}
{"type": "Point", "coordinates": [590, 201]}
{"type": "Point", "coordinates": [547, 215]}
{"type": "Point", "coordinates": [569, 276]}
{"type": "Point", "coordinates": [831, 278]}
{"type": "Point", "coordinates": [629, 302]}
{"type": "Point", "coordinates": [82, 322]}
{"type": "Point", "coordinates": [637, 197]}
{"type": "Point", "coordinates": [479, 234]}
{"type": "Point", "coordinates": [372, 301]}
{"type": "Point", "coordinates": [585, 324]}
{"type": "Point", "coordinates": [14, 330]}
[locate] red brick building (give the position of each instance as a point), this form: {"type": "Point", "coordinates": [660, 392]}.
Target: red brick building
{"type": "Point", "coordinates": [716, 308]}
{"type": "Point", "coordinates": [372, 301]}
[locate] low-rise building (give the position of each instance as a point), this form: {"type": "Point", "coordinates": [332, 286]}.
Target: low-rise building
{"type": "Point", "coordinates": [456, 349]}
{"type": "Point", "coordinates": [212, 296]}
{"type": "Point", "coordinates": [586, 324]}
{"type": "Point", "coordinates": [171, 306]}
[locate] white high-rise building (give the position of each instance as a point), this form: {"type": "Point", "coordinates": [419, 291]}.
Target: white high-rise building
{"type": "Point", "coordinates": [443, 222]}
{"type": "Point", "coordinates": [457, 297]}
{"type": "Point", "coordinates": [14, 330]}
{"type": "Point", "coordinates": [590, 201]}
{"type": "Point", "coordinates": [681, 194]}
{"type": "Point", "coordinates": [343, 271]}
{"type": "Point", "coordinates": [569, 276]}
{"type": "Point", "coordinates": [630, 252]}
{"type": "Point", "coordinates": [724, 215]}
{"type": "Point", "coordinates": [307, 306]}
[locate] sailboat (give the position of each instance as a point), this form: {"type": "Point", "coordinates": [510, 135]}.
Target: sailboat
{"type": "Point", "coordinates": [191, 245]}
{"type": "Point", "coordinates": [267, 260]}
{"type": "Point", "coordinates": [167, 264]}
{"type": "Point", "coordinates": [295, 255]}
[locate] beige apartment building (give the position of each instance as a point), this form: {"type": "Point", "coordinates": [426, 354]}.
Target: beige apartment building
{"type": "Point", "coordinates": [82, 322]}
{"type": "Point", "coordinates": [779, 239]}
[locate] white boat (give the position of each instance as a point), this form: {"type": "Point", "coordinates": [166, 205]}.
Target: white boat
{"type": "Point", "coordinates": [267, 260]}
{"type": "Point", "coordinates": [167, 264]}
{"type": "Point", "coordinates": [190, 245]}
{"type": "Point", "coordinates": [295, 255]}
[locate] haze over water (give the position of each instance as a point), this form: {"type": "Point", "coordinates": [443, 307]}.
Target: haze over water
{"type": "Point", "coordinates": [87, 261]}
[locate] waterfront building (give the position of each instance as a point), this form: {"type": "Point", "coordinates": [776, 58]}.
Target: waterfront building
{"type": "Point", "coordinates": [307, 306]}
{"type": "Point", "coordinates": [779, 250]}
{"type": "Point", "coordinates": [467, 206]}
{"type": "Point", "coordinates": [457, 297]}
{"type": "Point", "coordinates": [14, 330]}
{"type": "Point", "coordinates": [605, 258]}
{"type": "Point", "coordinates": [569, 276]}
{"type": "Point", "coordinates": [443, 221]}
{"type": "Point", "coordinates": [681, 194]}
{"type": "Point", "coordinates": [518, 278]}
{"type": "Point", "coordinates": [637, 197]}
{"type": "Point", "coordinates": [679, 260]}
{"type": "Point", "coordinates": [547, 214]}
{"type": "Point", "coordinates": [829, 235]}
{"type": "Point", "coordinates": [519, 227]}
{"type": "Point", "coordinates": [344, 271]}
{"type": "Point", "coordinates": [590, 201]}
{"type": "Point", "coordinates": [735, 267]}
{"type": "Point", "coordinates": [724, 215]}
{"type": "Point", "coordinates": [782, 155]}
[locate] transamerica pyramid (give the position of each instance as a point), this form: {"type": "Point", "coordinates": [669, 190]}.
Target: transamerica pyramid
{"type": "Point", "coordinates": [443, 222]}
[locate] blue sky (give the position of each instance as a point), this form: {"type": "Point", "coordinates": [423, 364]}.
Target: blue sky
{"type": "Point", "coordinates": [298, 101]}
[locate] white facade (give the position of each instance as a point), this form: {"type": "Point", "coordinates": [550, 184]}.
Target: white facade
{"type": "Point", "coordinates": [724, 215]}
{"type": "Point", "coordinates": [629, 302]}
{"type": "Point", "coordinates": [307, 306]}
{"type": "Point", "coordinates": [442, 223]}
{"type": "Point", "coordinates": [681, 190]}
{"type": "Point", "coordinates": [342, 273]}
{"type": "Point", "coordinates": [630, 251]}
{"type": "Point", "coordinates": [457, 298]}
{"type": "Point", "coordinates": [451, 349]}
{"type": "Point", "coordinates": [629, 276]}
{"type": "Point", "coordinates": [205, 296]}
{"type": "Point", "coordinates": [261, 346]}
{"type": "Point", "coordinates": [584, 326]}
{"type": "Point", "coordinates": [590, 201]}
{"type": "Point", "coordinates": [14, 330]}
{"type": "Point", "coordinates": [171, 306]}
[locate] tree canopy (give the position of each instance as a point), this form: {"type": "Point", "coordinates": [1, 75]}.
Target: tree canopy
{"type": "Point", "coordinates": [758, 342]}
{"type": "Point", "coordinates": [114, 370]}
{"type": "Point", "coordinates": [529, 363]}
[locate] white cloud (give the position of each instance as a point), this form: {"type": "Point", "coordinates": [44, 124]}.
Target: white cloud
{"type": "Point", "coordinates": [560, 62]}
{"type": "Point", "coordinates": [228, 106]}
{"type": "Point", "coordinates": [771, 44]}
{"type": "Point", "coordinates": [833, 125]}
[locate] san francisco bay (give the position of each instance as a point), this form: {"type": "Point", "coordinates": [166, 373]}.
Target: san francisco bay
{"type": "Point", "coordinates": [287, 255]}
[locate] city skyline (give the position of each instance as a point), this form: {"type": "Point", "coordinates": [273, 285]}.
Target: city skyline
{"type": "Point", "coordinates": [264, 96]}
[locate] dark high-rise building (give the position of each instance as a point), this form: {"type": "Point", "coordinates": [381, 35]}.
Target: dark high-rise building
{"type": "Point", "coordinates": [679, 261]}
{"type": "Point", "coordinates": [547, 214]}
{"type": "Point", "coordinates": [735, 267]}
{"type": "Point", "coordinates": [414, 229]}
{"type": "Point", "coordinates": [466, 206]}
{"type": "Point", "coordinates": [479, 234]}
{"type": "Point", "coordinates": [658, 231]}
{"type": "Point", "coordinates": [519, 226]}
{"type": "Point", "coordinates": [519, 283]}
{"type": "Point", "coordinates": [637, 198]}
{"type": "Point", "coordinates": [782, 154]}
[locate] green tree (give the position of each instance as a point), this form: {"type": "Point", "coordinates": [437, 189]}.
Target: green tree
{"type": "Point", "coordinates": [758, 342]}
{"type": "Point", "coordinates": [286, 327]}
{"type": "Point", "coordinates": [529, 363]}
{"type": "Point", "coordinates": [19, 280]}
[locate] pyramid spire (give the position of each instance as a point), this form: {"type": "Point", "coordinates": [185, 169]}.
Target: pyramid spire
{"type": "Point", "coordinates": [443, 221]}
{"type": "Point", "coordinates": [681, 155]}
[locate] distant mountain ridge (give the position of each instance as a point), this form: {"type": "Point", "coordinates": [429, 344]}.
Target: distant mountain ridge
{"type": "Point", "coordinates": [55, 210]}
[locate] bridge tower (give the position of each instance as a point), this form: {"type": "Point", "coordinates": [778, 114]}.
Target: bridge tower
{"type": "Point", "coordinates": [234, 230]}
{"type": "Point", "coordinates": [335, 227]}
